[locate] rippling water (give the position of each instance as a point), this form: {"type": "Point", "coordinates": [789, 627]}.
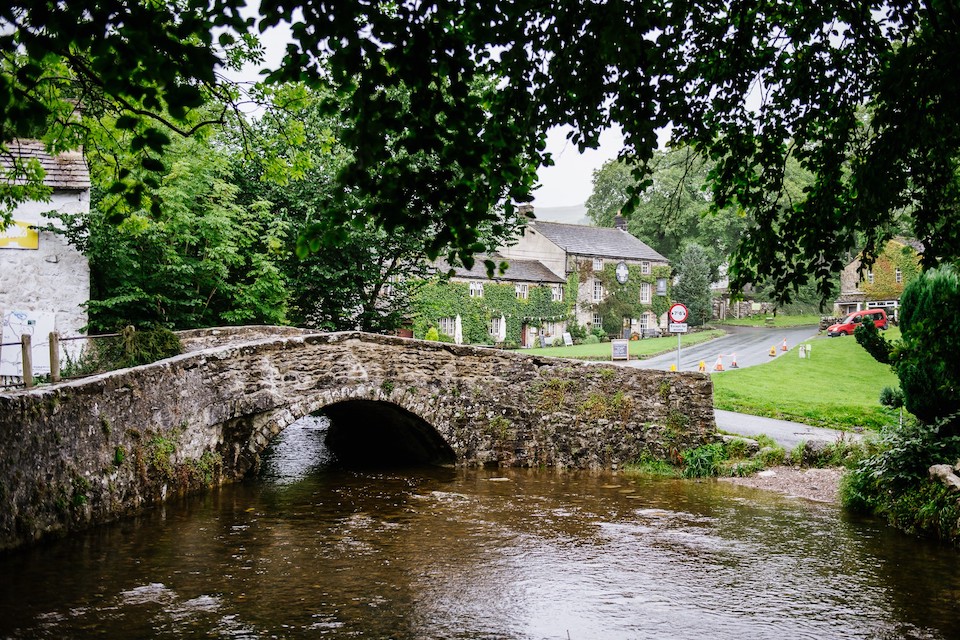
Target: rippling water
{"type": "Point", "coordinates": [308, 551]}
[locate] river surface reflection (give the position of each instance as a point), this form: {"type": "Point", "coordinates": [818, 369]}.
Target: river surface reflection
{"type": "Point", "coordinates": [307, 550]}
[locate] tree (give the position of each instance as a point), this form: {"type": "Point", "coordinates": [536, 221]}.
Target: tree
{"type": "Point", "coordinates": [693, 284]}
{"type": "Point", "coordinates": [353, 275]}
{"type": "Point", "coordinates": [673, 210]}
{"type": "Point", "coordinates": [924, 359]}
{"type": "Point", "coordinates": [853, 92]}
{"type": "Point", "coordinates": [203, 261]}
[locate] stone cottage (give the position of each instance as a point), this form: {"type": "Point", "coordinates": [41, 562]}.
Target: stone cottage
{"type": "Point", "coordinates": [44, 282]}
{"type": "Point", "coordinates": [882, 285]}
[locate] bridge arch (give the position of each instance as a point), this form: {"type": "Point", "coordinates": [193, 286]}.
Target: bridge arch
{"type": "Point", "coordinates": [88, 451]}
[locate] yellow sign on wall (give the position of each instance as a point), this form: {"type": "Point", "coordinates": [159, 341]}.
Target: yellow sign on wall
{"type": "Point", "coordinates": [19, 235]}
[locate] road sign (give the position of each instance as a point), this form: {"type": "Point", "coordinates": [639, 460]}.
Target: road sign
{"type": "Point", "coordinates": [678, 327]}
{"type": "Point", "coordinates": [678, 312]}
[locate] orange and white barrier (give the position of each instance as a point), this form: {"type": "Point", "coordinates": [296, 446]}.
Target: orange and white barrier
{"type": "Point", "coordinates": [783, 347]}
{"type": "Point", "coordinates": [719, 365]}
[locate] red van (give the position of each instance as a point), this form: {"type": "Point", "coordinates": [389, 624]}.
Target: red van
{"type": "Point", "coordinates": [847, 326]}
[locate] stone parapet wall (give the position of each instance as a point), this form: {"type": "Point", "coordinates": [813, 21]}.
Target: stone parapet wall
{"type": "Point", "coordinates": [90, 451]}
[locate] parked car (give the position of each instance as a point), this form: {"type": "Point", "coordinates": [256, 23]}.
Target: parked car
{"type": "Point", "coordinates": [847, 326]}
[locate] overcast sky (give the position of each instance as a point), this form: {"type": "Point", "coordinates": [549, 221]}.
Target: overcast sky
{"type": "Point", "coordinates": [570, 181]}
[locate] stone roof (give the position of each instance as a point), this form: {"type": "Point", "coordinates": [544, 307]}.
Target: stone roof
{"type": "Point", "coordinates": [519, 270]}
{"type": "Point", "coordinates": [64, 171]}
{"type": "Point", "coordinates": [597, 242]}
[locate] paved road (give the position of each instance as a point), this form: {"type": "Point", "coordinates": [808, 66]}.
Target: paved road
{"type": "Point", "coordinates": [750, 345]}
{"type": "Point", "coordinates": [786, 434]}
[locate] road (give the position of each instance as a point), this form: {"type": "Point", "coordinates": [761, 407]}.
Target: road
{"type": "Point", "coordinates": [750, 346]}
{"type": "Point", "coordinates": [786, 434]}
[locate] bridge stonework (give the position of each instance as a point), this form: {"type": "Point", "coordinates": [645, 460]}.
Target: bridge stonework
{"type": "Point", "coordinates": [89, 451]}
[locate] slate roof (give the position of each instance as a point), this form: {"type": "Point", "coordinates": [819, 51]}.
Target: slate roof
{"type": "Point", "coordinates": [518, 271]}
{"type": "Point", "coordinates": [64, 171]}
{"type": "Point", "coordinates": [596, 242]}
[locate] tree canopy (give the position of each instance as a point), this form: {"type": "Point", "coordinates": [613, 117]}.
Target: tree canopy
{"type": "Point", "coordinates": [852, 91]}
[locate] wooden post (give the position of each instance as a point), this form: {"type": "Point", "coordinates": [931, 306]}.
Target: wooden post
{"type": "Point", "coordinates": [128, 332]}
{"type": "Point", "coordinates": [54, 356]}
{"type": "Point", "coordinates": [27, 354]}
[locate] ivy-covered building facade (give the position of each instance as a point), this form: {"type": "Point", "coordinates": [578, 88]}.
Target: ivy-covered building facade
{"type": "Point", "coordinates": [882, 285]}
{"type": "Point", "coordinates": [560, 278]}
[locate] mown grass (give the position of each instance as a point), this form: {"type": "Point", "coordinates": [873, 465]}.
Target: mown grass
{"type": "Point", "coordinates": [780, 320]}
{"type": "Point", "coordinates": [638, 348]}
{"type": "Point", "coordinates": [837, 387]}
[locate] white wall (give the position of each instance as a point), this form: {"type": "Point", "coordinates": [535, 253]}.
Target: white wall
{"type": "Point", "coordinates": [54, 278]}
{"type": "Point", "coordinates": [534, 246]}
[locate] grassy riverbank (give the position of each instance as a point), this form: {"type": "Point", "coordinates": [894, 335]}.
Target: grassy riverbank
{"type": "Point", "coordinates": [638, 348]}
{"type": "Point", "coordinates": [838, 386]}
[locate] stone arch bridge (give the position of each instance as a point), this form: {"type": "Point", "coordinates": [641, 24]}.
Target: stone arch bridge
{"type": "Point", "coordinates": [90, 450]}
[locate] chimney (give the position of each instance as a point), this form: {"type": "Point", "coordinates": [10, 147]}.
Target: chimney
{"type": "Point", "coordinates": [619, 222]}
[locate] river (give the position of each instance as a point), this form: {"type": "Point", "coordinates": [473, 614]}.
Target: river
{"type": "Point", "coordinates": [308, 550]}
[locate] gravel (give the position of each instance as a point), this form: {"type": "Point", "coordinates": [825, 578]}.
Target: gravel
{"type": "Point", "coordinates": [819, 485]}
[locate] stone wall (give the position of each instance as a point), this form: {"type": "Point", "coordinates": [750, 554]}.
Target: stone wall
{"type": "Point", "coordinates": [89, 451]}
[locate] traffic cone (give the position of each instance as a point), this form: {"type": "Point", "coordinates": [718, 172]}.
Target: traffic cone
{"type": "Point", "coordinates": [673, 367]}
{"type": "Point", "coordinates": [733, 363]}
{"type": "Point", "coordinates": [703, 366]}
{"type": "Point", "coordinates": [784, 346]}
{"type": "Point", "coordinates": [773, 351]}
{"type": "Point", "coordinates": [719, 365]}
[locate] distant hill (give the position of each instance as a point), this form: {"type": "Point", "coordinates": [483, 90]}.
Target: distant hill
{"type": "Point", "coordinates": [573, 214]}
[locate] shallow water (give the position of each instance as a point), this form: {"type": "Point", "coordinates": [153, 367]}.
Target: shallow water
{"type": "Point", "coordinates": [308, 550]}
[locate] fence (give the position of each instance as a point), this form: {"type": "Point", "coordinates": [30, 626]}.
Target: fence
{"type": "Point", "coordinates": [27, 379]}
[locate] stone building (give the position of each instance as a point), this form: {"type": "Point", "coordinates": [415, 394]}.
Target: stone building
{"type": "Point", "coordinates": [556, 272]}
{"type": "Point", "coordinates": [604, 261]}
{"type": "Point", "coordinates": [44, 282]}
{"type": "Point", "coordinates": [882, 285]}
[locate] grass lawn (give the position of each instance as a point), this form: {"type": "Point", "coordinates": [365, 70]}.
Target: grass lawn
{"type": "Point", "coordinates": [779, 320]}
{"type": "Point", "coordinates": [638, 348]}
{"type": "Point", "coordinates": [838, 386]}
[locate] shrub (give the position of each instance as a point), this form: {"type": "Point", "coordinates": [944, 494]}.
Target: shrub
{"type": "Point", "coordinates": [557, 342]}
{"type": "Point", "coordinates": [592, 339]}
{"type": "Point", "coordinates": [432, 334]}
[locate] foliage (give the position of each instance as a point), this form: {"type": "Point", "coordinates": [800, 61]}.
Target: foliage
{"type": "Point", "coordinates": [837, 386]}
{"type": "Point", "coordinates": [623, 300]}
{"type": "Point", "coordinates": [592, 339]}
{"type": "Point", "coordinates": [342, 275]}
{"type": "Point", "coordinates": [203, 260]}
{"type": "Point", "coordinates": [132, 348]}
{"type": "Point", "coordinates": [893, 482]}
{"type": "Point", "coordinates": [432, 334]}
{"type": "Point", "coordinates": [675, 208]}
{"type": "Point", "coordinates": [853, 93]}
{"type": "Point", "coordinates": [693, 284]}
{"type": "Point", "coordinates": [442, 298]}
{"type": "Point", "coordinates": [895, 256]}
{"type": "Point", "coordinates": [925, 358]}
{"type": "Point", "coordinates": [704, 461]}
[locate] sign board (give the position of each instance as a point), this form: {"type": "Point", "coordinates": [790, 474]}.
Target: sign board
{"type": "Point", "coordinates": [619, 349]}
{"type": "Point", "coordinates": [567, 339]}
{"type": "Point", "coordinates": [678, 327]}
{"type": "Point", "coordinates": [623, 272]}
{"type": "Point", "coordinates": [39, 326]}
{"type": "Point", "coordinates": [678, 313]}
{"type": "Point", "coordinates": [19, 235]}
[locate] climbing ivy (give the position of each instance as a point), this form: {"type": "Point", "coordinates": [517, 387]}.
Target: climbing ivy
{"type": "Point", "coordinates": [445, 299]}
{"type": "Point", "coordinates": [623, 300]}
{"type": "Point", "coordinates": [885, 286]}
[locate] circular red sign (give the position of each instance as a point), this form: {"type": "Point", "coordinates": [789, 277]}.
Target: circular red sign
{"type": "Point", "coordinates": [678, 312]}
